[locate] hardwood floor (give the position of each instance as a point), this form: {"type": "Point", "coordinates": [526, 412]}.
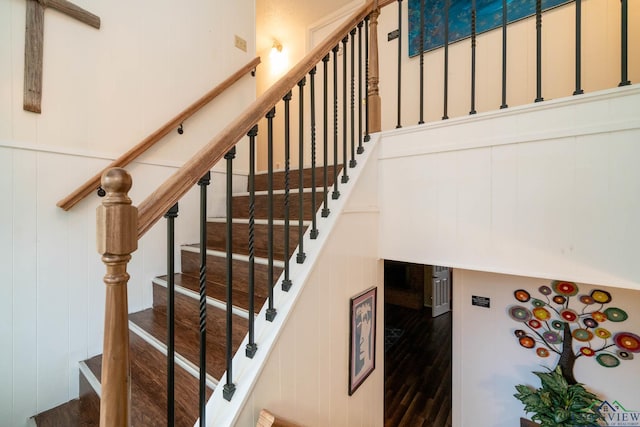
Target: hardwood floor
{"type": "Point", "coordinates": [418, 369]}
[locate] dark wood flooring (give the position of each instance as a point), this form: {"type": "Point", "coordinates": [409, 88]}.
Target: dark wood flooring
{"type": "Point", "coordinates": [417, 383]}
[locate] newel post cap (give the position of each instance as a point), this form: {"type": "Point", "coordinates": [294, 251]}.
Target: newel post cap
{"type": "Point", "coordinates": [116, 218]}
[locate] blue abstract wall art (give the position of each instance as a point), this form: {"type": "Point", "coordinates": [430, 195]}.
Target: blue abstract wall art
{"type": "Point", "coordinates": [489, 16]}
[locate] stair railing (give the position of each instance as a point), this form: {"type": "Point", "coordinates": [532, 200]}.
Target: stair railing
{"type": "Point", "coordinates": [303, 75]}
{"type": "Point", "coordinates": [117, 233]}
{"type": "Point", "coordinates": [428, 40]}
{"type": "Point", "coordinates": [176, 186]}
{"type": "Point", "coordinates": [93, 183]}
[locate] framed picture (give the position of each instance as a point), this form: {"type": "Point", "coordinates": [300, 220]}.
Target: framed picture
{"type": "Point", "coordinates": [488, 12]}
{"type": "Point", "coordinates": [362, 337]}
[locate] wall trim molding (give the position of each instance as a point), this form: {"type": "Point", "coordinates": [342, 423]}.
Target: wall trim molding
{"type": "Point", "coordinates": [568, 129]}
{"type": "Point", "coordinates": [335, 18]}
{"type": "Point", "coordinates": [17, 145]}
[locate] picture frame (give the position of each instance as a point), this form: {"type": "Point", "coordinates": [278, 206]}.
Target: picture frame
{"type": "Point", "coordinates": [488, 13]}
{"type": "Point", "coordinates": [362, 337]}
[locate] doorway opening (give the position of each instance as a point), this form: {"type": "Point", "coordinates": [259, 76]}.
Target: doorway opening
{"type": "Point", "coordinates": [417, 285]}
{"type": "Point", "coordinates": [417, 345]}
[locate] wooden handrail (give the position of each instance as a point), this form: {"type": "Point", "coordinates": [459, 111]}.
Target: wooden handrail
{"type": "Point", "coordinates": [267, 419]}
{"type": "Point", "coordinates": [159, 202]}
{"type": "Point", "coordinates": [92, 184]}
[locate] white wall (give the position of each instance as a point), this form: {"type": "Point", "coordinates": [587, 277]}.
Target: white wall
{"type": "Point", "coordinates": [541, 190]}
{"type": "Point", "coordinates": [488, 361]}
{"type": "Point", "coordinates": [513, 200]}
{"type": "Point", "coordinates": [103, 91]}
{"type": "Point", "coordinates": [299, 27]}
{"type": "Point", "coordinates": [305, 379]}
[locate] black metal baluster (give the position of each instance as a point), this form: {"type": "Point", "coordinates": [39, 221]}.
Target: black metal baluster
{"type": "Point", "coordinates": [398, 124]}
{"type": "Point", "coordinates": [539, 97]}
{"type": "Point", "coordinates": [271, 311]}
{"type": "Point", "coordinates": [229, 388]}
{"type": "Point", "coordinates": [203, 183]}
{"type": "Point", "coordinates": [252, 347]}
{"type": "Point", "coordinates": [352, 162]}
{"type": "Point", "coordinates": [624, 79]}
{"type": "Point", "coordinates": [367, 137]}
{"type": "Point", "coordinates": [336, 193]}
{"type": "Point", "coordinates": [301, 255]}
{"type": "Point", "coordinates": [473, 57]}
{"type": "Point", "coordinates": [325, 141]}
{"type": "Point", "coordinates": [286, 281]}
{"type": "Point", "coordinates": [171, 216]}
{"type": "Point", "coordinates": [360, 83]}
{"type": "Point", "coordinates": [504, 54]}
{"type": "Point", "coordinates": [421, 121]}
{"type": "Point", "coordinates": [345, 177]}
{"type": "Point", "coordinates": [578, 90]}
{"type": "Point", "coordinates": [446, 59]}
{"type": "Point", "coordinates": [312, 88]}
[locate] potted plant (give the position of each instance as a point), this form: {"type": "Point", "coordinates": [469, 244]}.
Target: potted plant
{"type": "Point", "coordinates": [559, 404]}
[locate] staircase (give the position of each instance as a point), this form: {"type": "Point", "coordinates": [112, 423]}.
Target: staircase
{"type": "Point", "coordinates": [148, 328]}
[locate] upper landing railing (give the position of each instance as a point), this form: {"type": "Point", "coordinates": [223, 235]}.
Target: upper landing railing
{"type": "Point", "coordinates": [175, 123]}
{"type": "Point", "coordinates": [583, 45]}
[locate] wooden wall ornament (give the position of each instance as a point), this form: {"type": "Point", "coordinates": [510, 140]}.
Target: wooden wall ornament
{"type": "Point", "coordinates": [34, 44]}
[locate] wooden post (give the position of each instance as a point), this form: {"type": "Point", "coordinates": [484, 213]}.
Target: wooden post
{"type": "Point", "coordinates": [117, 231]}
{"type": "Point", "coordinates": [375, 112]}
{"type": "Point", "coordinates": [33, 47]}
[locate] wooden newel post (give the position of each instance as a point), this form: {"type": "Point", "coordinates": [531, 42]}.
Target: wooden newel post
{"type": "Point", "coordinates": [117, 231]}
{"type": "Point", "coordinates": [375, 112]}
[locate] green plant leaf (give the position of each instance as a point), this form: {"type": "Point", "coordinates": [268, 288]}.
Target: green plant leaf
{"type": "Point", "coordinates": [561, 415]}
{"type": "Point", "coordinates": [557, 404]}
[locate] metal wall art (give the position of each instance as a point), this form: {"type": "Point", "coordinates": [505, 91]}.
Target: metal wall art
{"type": "Point", "coordinates": [559, 321]}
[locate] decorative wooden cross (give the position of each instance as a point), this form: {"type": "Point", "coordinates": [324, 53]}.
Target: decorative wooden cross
{"type": "Point", "coordinates": [34, 37]}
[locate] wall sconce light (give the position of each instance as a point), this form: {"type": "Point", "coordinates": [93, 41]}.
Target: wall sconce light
{"type": "Point", "coordinates": [279, 59]}
{"type": "Point", "coordinates": [277, 46]}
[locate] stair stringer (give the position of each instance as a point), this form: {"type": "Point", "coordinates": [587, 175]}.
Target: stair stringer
{"type": "Point", "coordinates": [247, 372]}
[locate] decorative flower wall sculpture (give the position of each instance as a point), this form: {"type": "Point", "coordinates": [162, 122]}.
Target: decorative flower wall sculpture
{"type": "Point", "coordinates": [572, 326]}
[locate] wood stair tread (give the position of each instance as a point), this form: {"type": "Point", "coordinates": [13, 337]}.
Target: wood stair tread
{"type": "Point", "coordinates": [221, 254]}
{"type": "Point", "coordinates": [217, 267]}
{"type": "Point", "coordinates": [70, 414]}
{"type": "Point", "coordinates": [217, 238]}
{"type": "Point", "coordinates": [217, 291]}
{"type": "Point", "coordinates": [261, 179]}
{"type": "Point", "coordinates": [81, 412]}
{"type": "Point", "coordinates": [148, 393]}
{"type": "Point", "coordinates": [148, 390]}
{"type": "Point", "coordinates": [187, 341]}
{"type": "Point", "coordinates": [240, 205]}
